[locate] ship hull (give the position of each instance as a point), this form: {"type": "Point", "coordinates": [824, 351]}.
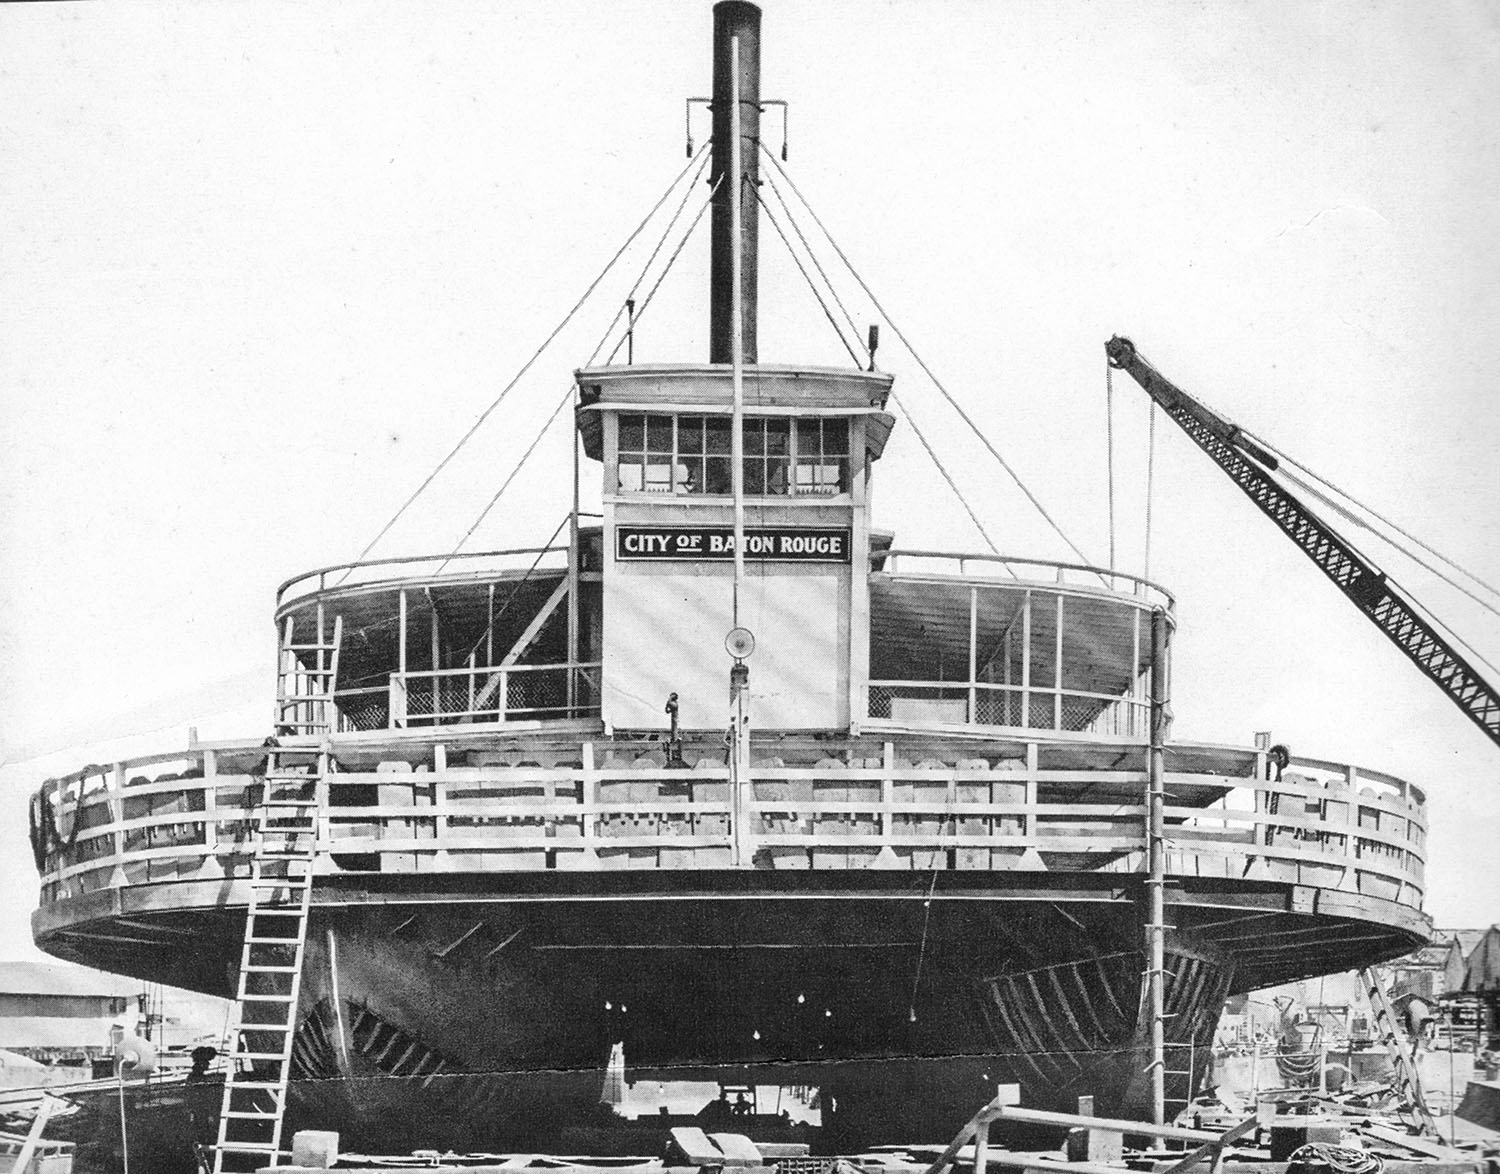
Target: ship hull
{"type": "Point", "coordinates": [487, 1025]}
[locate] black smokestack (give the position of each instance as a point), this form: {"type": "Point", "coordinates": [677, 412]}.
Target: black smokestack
{"type": "Point", "coordinates": [734, 18]}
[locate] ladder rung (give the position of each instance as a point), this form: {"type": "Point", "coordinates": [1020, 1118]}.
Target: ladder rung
{"type": "Point", "coordinates": [249, 998]}
{"type": "Point", "coordinates": [246, 1147]}
{"type": "Point", "coordinates": [278, 1056]}
{"type": "Point", "coordinates": [273, 941]}
{"type": "Point", "coordinates": [260, 968]}
{"type": "Point", "coordinates": [251, 1115]}
{"type": "Point", "coordinates": [275, 1086]}
{"type": "Point", "coordinates": [308, 647]}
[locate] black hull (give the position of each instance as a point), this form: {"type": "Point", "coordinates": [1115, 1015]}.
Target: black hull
{"type": "Point", "coordinates": [488, 1026]}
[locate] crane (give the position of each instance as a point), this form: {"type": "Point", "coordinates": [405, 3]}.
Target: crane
{"type": "Point", "coordinates": [1251, 467]}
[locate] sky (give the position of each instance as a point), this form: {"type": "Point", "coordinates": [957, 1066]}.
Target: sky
{"type": "Point", "coordinates": [262, 265]}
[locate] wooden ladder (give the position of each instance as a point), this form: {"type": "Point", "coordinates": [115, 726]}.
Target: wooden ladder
{"type": "Point", "coordinates": [306, 675]}
{"type": "Point", "coordinates": [1408, 1080]}
{"type": "Point", "coordinates": [281, 879]}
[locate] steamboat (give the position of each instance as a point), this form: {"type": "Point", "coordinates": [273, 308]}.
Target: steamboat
{"type": "Point", "coordinates": [732, 778]}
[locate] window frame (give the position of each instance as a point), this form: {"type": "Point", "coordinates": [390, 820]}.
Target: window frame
{"type": "Point", "coordinates": [784, 467]}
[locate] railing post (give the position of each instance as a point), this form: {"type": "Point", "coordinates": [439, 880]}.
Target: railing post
{"type": "Point", "coordinates": [211, 802]}
{"type": "Point", "coordinates": [1029, 825]}
{"type": "Point", "coordinates": [887, 790]}
{"type": "Point", "coordinates": [396, 703]}
{"type": "Point", "coordinates": [973, 652]}
{"type": "Point", "coordinates": [589, 792]}
{"type": "Point", "coordinates": [117, 814]}
{"type": "Point", "coordinates": [1026, 660]}
{"type": "Point", "coordinates": [1057, 668]}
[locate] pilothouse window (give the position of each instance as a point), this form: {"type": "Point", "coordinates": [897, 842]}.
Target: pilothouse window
{"type": "Point", "coordinates": [822, 456]}
{"type": "Point", "coordinates": [691, 455]}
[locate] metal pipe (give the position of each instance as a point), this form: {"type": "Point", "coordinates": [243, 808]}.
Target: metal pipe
{"type": "Point", "coordinates": [737, 325]}
{"type": "Point", "coordinates": [733, 251]}
{"type": "Point", "coordinates": [1156, 929]}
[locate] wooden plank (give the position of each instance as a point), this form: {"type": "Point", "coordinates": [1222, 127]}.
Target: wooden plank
{"type": "Point", "coordinates": [1193, 1157]}
{"type": "Point", "coordinates": [945, 1159]}
{"type": "Point", "coordinates": [1417, 1145]}
{"type": "Point", "coordinates": [1073, 1120]}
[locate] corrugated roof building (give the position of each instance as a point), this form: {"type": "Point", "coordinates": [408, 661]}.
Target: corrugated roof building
{"type": "Point", "coordinates": [49, 1009]}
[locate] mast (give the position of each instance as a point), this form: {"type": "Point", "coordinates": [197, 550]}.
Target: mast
{"type": "Point", "coordinates": [734, 20]}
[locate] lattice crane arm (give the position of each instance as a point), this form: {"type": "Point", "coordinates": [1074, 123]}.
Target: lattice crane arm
{"type": "Point", "coordinates": [1250, 467]}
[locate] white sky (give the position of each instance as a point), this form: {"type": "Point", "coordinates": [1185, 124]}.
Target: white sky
{"type": "Point", "coordinates": [263, 264]}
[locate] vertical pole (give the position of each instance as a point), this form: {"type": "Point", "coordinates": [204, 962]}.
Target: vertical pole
{"type": "Point", "coordinates": [437, 692]}
{"type": "Point", "coordinates": [1135, 672]}
{"type": "Point", "coordinates": [740, 743]}
{"type": "Point", "coordinates": [1010, 697]}
{"type": "Point", "coordinates": [1026, 660]}
{"type": "Point", "coordinates": [401, 631]}
{"type": "Point", "coordinates": [573, 559]}
{"type": "Point", "coordinates": [973, 652]}
{"type": "Point", "coordinates": [1057, 668]}
{"type": "Point", "coordinates": [737, 325]}
{"type": "Point", "coordinates": [1156, 930]}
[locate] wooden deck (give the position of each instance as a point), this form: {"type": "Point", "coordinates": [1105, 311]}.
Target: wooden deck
{"type": "Point", "coordinates": [414, 812]}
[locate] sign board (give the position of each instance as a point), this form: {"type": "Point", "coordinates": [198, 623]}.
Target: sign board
{"type": "Point", "coordinates": [793, 544]}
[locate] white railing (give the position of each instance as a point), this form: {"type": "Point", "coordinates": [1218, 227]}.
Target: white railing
{"type": "Point", "coordinates": [478, 564]}
{"type": "Point", "coordinates": [1323, 826]}
{"type": "Point", "coordinates": [1017, 707]}
{"type": "Point", "coordinates": [1012, 571]}
{"type": "Point", "coordinates": [1039, 666]}
{"type": "Point", "coordinates": [492, 693]}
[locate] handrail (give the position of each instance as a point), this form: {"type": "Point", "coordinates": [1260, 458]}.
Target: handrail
{"type": "Point", "coordinates": [321, 573]}
{"type": "Point", "coordinates": [915, 815]}
{"type": "Point", "coordinates": [894, 553]}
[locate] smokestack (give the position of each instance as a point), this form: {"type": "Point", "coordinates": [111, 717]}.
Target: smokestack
{"type": "Point", "coordinates": [734, 18]}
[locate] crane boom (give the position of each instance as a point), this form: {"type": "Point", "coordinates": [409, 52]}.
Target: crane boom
{"type": "Point", "coordinates": [1249, 466]}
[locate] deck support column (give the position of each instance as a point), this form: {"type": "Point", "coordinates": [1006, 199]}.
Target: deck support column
{"type": "Point", "coordinates": [1156, 929]}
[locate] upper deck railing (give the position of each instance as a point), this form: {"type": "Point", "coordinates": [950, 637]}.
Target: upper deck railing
{"type": "Point", "coordinates": [1012, 570]}
{"type": "Point", "coordinates": [1041, 672]}
{"type": "Point", "coordinates": [419, 568]}
{"type": "Point", "coordinates": [188, 817]}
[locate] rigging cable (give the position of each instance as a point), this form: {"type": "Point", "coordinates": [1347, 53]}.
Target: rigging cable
{"type": "Point", "coordinates": [796, 260]}
{"type": "Point", "coordinates": [496, 617]}
{"type": "Point", "coordinates": [495, 403]}
{"type": "Point", "coordinates": [957, 407]}
{"type": "Point", "coordinates": [660, 277]}
{"type": "Point", "coordinates": [1109, 436]}
{"type": "Point", "coordinates": [1430, 614]}
{"type": "Point", "coordinates": [666, 232]}
{"type": "Point", "coordinates": [570, 392]}
{"type": "Point", "coordinates": [911, 1008]}
{"type": "Point", "coordinates": [484, 513]}
{"type": "Point", "coordinates": [1379, 517]}
{"type": "Point", "coordinates": [813, 257]}
{"type": "Point", "coordinates": [1150, 477]}
{"type": "Point", "coordinates": [1354, 519]}
{"type": "Point", "coordinates": [957, 492]}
